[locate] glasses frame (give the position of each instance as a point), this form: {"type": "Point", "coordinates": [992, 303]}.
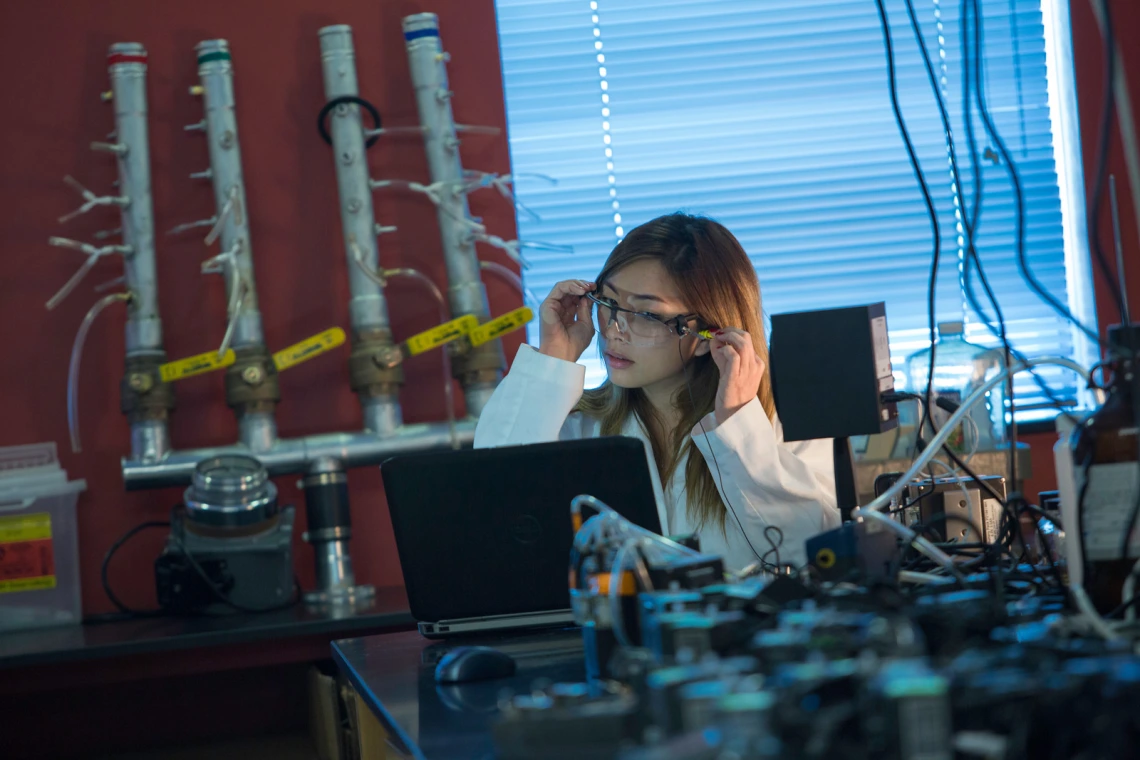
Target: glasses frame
{"type": "Point", "coordinates": [678, 324]}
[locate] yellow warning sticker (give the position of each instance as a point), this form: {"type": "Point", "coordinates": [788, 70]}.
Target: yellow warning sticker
{"type": "Point", "coordinates": [27, 557]}
{"type": "Point", "coordinates": [444, 333]}
{"type": "Point", "coordinates": [512, 320]}
{"type": "Point", "coordinates": [27, 584]}
{"type": "Point", "coordinates": [31, 527]}
{"type": "Point", "coordinates": [196, 365]}
{"type": "Point", "coordinates": [308, 348]}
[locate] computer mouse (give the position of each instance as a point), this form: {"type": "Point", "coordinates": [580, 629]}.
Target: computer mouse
{"type": "Point", "coordinates": [474, 664]}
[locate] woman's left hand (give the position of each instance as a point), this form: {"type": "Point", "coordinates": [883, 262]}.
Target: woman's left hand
{"type": "Point", "coordinates": [741, 371]}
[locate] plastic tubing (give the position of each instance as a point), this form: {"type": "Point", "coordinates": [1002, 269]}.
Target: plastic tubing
{"type": "Point", "coordinates": [935, 444]}
{"type": "Point", "coordinates": [76, 358]}
{"type": "Point", "coordinates": [919, 542]}
{"type": "Point", "coordinates": [508, 275]}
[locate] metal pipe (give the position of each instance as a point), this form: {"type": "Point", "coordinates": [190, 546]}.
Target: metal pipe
{"type": "Point", "coordinates": [215, 70]}
{"type": "Point", "coordinates": [251, 383]}
{"type": "Point", "coordinates": [368, 310]}
{"type": "Point", "coordinates": [126, 65]}
{"type": "Point", "coordinates": [480, 370]}
{"type": "Point", "coordinates": [146, 399]}
{"type": "Point", "coordinates": [295, 456]}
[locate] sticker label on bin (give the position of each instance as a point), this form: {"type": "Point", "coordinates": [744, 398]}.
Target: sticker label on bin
{"type": "Point", "coordinates": [308, 348]}
{"type": "Point", "coordinates": [196, 365]}
{"type": "Point", "coordinates": [27, 561]}
{"type": "Point", "coordinates": [444, 333]}
{"type": "Point", "coordinates": [512, 320]}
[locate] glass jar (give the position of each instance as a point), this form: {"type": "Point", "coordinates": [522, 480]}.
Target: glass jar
{"type": "Point", "coordinates": [1107, 475]}
{"type": "Point", "coordinates": [960, 367]}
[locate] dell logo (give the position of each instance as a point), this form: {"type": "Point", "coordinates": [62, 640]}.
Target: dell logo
{"type": "Point", "coordinates": [526, 529]}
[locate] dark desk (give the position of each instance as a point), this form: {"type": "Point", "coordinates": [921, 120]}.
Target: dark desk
{"type": "Point", "coordinates": [413, 717]}
{"type": "Point", "coordinates": [94, 641]}
{"type": "Point", "coordinates": [142, 683]}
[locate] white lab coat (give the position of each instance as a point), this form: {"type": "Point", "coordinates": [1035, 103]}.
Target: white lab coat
{"type": "Point", "coordinates": [766, 481]}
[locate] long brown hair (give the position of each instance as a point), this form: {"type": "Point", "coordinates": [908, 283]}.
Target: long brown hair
{"type": "Point", "coordinates": [716, 281]}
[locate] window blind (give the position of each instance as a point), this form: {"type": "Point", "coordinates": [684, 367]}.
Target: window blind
{"type": "Point", "coordinates": [773, 117]}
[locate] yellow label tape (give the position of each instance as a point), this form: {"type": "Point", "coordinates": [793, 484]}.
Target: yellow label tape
{"type": "Point", "coordinates": [196, 365]}
{"type": "Point", "coordinates": [27, 584]}
{"type": "Point", "coordinates": [308, 348]}
{"type": "Point", "coordinates": [444, 333]}
{"type": "Point", "coordinates": [31, 527]}
{"type": "Point", "coordinates": [512, 320]}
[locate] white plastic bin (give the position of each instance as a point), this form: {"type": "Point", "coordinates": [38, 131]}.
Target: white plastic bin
{"type": "Point", "coordinates": [39, 542]}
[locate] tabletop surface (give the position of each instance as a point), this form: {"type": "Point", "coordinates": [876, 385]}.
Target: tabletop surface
{"type": "Point", "coordinates": [395, 675]}
{"type": "Point", "coordinates": [90, 641]}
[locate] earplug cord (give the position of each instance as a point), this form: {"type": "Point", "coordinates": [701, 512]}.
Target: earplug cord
{"type": "Point", "coordinates": [719, 477]}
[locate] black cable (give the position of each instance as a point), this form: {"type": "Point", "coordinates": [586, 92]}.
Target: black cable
{"type": "Point", "coordinates": [900, 121]}
{"type": "Point", "coordinates": [1011, 425]}
{"type": "Point", "coordinates": [969, 71]}
{"type": "Point", "coordinates": [972, 65]}
{"type": "Point", "coordinates": [354, 100]}
{"type": "Point", "coordinates": [127, 611]}
{"type": "Point", "coordinates": [1019, 199]}
{"type": "Point", "coordinates": [221, 597]}
{"type": "Point", "coordinates": [719, 477]}
{"type": "Point", "coordinates": [775, 544]}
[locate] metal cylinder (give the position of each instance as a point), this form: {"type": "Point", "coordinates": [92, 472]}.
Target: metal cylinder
{"type": "Point", "coordinates": [150, 440]}
{"type": "Point", "coordinates": [466, 292]}
{"type": "Point", "coordinates": [257, 430]}
{"type": "Point", "coordinates": [367, 308]}
{"type": "Point", "coordinates": [382, 414]}
{"type": "Point", "coordinates": [126, 68]}
{"type": "Point", "coordinates": [326, 498]}
{"type": "Point", "coordinates": [230, 491]}
{"type": "Point", "coordinates": [215, 70]}
{"type": "Point", "coordinates": [330, 528]}
{"type": "Point", "coordinates": [126, 65]}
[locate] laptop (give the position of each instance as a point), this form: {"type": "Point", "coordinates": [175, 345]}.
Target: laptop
{"type": "Point", "coordinates": [484, 535]}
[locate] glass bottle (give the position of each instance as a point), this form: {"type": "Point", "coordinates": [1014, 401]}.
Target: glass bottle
{"type": "Point", "coordinates": [959, 368]}
{"type": "Point", "coordinates": [1107, 475]}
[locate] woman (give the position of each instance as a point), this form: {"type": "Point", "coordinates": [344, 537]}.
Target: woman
{"type": "Point", "coordinates": [702, 404]}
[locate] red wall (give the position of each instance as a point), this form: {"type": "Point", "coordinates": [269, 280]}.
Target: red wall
{"type": "Point", "coordinates": [54, 59]}
{"type": "Point", "coordinates": [1088, 53]}
{"type": "Point", "coordinates": [53, 55]}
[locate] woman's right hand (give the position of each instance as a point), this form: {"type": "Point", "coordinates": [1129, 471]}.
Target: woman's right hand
{"type": "Point", "coordinates": [567, 326]}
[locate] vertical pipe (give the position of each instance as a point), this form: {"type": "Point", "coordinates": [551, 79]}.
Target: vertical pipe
{"type": "Point", "coordinates": [216, 72]}
{"type": "Point", "coordinates": [480, 370]}
{"type": "Point", "coordinates": [368, 311]}
{"type": "Point", "coordinates": [145, 398]}
{"type": "Point", "coordinates": [251, 384]}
